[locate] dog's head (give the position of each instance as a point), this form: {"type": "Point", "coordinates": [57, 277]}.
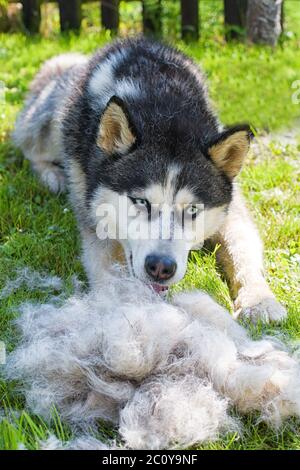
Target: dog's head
{"type": "Point", "coordinates": [163, 191]}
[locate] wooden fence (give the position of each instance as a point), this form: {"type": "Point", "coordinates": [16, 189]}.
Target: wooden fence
{"type": "Point", "coordinates": [70, 16]}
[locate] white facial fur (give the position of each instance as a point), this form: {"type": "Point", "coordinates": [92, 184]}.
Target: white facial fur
{"type": "Point", "coordinates": [103, 84]}
{"type": "Point", "coordinates": [137, 244]}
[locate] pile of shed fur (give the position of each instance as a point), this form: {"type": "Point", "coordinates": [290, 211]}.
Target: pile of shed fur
{"type": "Point", "coordinates": [166, 374]}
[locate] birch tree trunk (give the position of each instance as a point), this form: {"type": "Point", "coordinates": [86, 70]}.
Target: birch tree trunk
{"type": "Point", "coordinates": [264, 21]}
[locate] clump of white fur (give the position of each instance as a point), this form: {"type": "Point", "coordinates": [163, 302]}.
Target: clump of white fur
{"type": "Point", "coordinates": [84, 442]}
{"type": "Point", "coordinates": [166, 373]}
{"type": "Point", "coordinates": [31, 279]}
{"type": "Point", "coordinates": [168, 410]}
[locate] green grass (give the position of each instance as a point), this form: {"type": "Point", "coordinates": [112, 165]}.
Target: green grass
{"type": "Point", "coordinates": [38, 230]}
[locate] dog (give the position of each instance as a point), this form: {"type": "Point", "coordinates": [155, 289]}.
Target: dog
{"type": "Point", "coordinates": [132, 128]}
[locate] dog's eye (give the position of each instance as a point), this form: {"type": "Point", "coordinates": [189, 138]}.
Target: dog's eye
{"type": "Point", "coordinates": [140, 202]}
{"type": "Point", "coordinates": [192, 211]}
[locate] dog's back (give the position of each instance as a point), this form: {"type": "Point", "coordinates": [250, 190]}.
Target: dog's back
{"type": "Point", "coordinates": [158, 82]}
{"type": "Point", "coordinates": [37, 129]}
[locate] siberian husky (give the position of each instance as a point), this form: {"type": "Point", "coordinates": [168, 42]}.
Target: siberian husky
{"type": "Point", "coordinates": [132, 135]}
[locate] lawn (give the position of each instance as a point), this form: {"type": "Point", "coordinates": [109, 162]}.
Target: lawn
{"type": "Point", "coordinates": [37, 229]}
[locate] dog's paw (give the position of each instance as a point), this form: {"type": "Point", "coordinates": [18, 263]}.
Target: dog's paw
{"type": "Point", "coordinates": [53, 178]}
{"type": "Point", "coordinates": [266, 310]}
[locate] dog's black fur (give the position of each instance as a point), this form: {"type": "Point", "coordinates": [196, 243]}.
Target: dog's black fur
{"type": "Point", "coordinates": [171, 116]}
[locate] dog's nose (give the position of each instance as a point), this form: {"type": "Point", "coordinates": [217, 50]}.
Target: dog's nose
{"type": "Point", "coordinates": [160, 267]}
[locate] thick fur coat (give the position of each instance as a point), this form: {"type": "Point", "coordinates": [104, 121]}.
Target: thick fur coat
{"type": "Point", "coordinates": [167, 374]}
{"type": "Point", "coordinates": [133, 124]}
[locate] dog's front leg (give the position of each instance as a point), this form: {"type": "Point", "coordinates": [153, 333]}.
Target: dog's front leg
{"type": "Point", "coordinates": [204, 308]}
{"type": "Point", "coordinates": [97, 257]}
{"type": "Point", "coordinates": [241, 256]}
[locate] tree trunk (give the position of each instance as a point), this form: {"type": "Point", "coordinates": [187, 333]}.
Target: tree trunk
{"type": "Point", "coordinates": [235, 12]}
{"type": "Point", "coordinates": [264, 21]}
{"type": "Point", "coordinates": [70, 14]}
{"type": "Point", "coordinates": [189, 20]}
{"type": "Point", "coordinates": [110, 14]}
{"type": "Point", "coordinates": [31, 15]}
{"type": "Point", "coordinates": [152, 13]}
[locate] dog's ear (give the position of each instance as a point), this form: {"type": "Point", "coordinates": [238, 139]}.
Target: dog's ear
{"type": "Point", "coordinates": [229, 149]}
{"type": "Point", "coordinates": [116, 134]}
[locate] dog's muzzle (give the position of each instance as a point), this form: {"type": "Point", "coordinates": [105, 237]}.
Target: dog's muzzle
{"type": "Point", "coordinates": [160, 268]}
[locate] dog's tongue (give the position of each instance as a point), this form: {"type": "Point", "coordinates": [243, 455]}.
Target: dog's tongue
{"type": "Point", "coordinates": [159, 288]}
